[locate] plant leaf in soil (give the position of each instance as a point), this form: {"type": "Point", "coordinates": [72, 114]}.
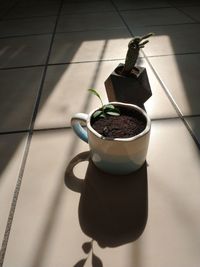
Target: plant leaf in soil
{"type": "Point", "coordinates": [105, 110]}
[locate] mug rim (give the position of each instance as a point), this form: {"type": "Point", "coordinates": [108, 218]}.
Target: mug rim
{"type": "Point", "coordinates": [126, 139]}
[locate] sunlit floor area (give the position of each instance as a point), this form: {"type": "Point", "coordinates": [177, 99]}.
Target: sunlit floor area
{"type": "Point", "coordinates": [51, 53]}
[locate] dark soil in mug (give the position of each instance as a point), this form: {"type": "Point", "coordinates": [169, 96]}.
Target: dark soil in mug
{"type": "Point", "coordinates": [128, 124]}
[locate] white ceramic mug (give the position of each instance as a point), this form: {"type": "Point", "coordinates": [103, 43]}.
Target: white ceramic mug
{"type": "Point", "coordinates": [114, 155]}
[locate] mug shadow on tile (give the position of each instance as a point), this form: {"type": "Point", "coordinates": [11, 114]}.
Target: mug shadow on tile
{"type": "Point", "coordinates": [113, 208]}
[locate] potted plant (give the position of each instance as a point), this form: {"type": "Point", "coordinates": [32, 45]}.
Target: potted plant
{"type": "Point", "coordinates": [118, 135]}
{"type": "Point", "coordinates": [129, 83]}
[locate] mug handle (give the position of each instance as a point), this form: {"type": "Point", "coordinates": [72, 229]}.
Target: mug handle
{"type": "Point", "coordinates": [76, 126]}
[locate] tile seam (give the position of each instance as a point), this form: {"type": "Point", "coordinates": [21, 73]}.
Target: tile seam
{"type": "Point", "coordinates": [93, 61]}
{"type": "Point", "coordinates": [186, 14]}
{"type": "Point", "coordinates": [90, 30]}
{"type": "Point", "coordinates": [25, 156]}
{"type": "Point", "coordinates": [14, 202]}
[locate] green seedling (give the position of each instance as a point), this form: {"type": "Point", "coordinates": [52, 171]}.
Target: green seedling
{"type": "Point", "coordinates": [106, 109]}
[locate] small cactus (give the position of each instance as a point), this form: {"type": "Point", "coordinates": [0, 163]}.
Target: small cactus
{"type": "Point", "coordinates": [133, 52]}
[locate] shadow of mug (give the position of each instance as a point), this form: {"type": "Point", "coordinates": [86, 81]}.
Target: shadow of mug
{"type": "Point", "coordinates": [113, 209]}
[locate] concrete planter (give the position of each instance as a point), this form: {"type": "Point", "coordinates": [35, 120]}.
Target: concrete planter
{"type": "Point", "coordinates": [134, 89]}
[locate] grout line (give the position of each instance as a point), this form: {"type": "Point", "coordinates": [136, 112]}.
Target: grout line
{"type": "Point", "coordinates": [62, 63]}
{"type": "Point", "coordinates": [24, 35]}
{"type": "Point", "coordinates": [27, 146]}
{"type": "Point", "coordinates": [143, 8]}
{"type": "Point", "coordinates": [60, 128]}
{"type": "Point", "coordinates": [122, 18]}
{"type": "Point", "coordinates": [14, 202]}
{"type": "Point", "coordinates": [96, 30]}
{"type": "Point", "coordinates": [93, 61]}
{"type": "Point", "coordinates": [8, 9]}
{"type": "Point", "coordinates": [21, 67]}
{"type": "Point", "coordinates": [168, 94]}
{"type": "Point", "coordinates": [185, 13]}
{"type": "Point", "coordinates": [15, 132]}
{"type": "Point", "coordinates": [176, 54]}
{"type": "Point", "coordinates": [44, 72]}
{"type": "Point", "coordinates": [29, 17]}
{"type": "Point", "coordinates": [25, 18]}
{"type": "Point", "coordinates": [172, 101]}
{"type": "Point", "coordinates": [191, 133]}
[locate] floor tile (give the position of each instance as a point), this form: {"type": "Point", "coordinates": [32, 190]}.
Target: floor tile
{"type": "Point", "coordinates": [179, 3]}
{"type": "Point", "coordinates": [86, 7]}
{"type": "Point", "coordinates": [51, 224]}
{"type": "Point", "coordinates": [93, 21]}
{"type": "Point", "coordinates": [27, 26]}
{"type": "Point", "coordinates": [158, 105]}
{"type": "Point", "coordinates": [153, 17]}
{"type": "Point", "coordinates": [193, 12]}
{"type": "Point", "coordinates": [181, 77]}
{"type": "Point", "coordinates": [88, 46]}
{"type": "Point", "coordinates": [11, 149]}
{"type": "Point", "coordinates": [19, 88]}
{"type": "Point", "coordinates": [173, 213]}
{"type": "Point", "coordinates": [65, 92]}
{"type": "Point", "coordinates": [128, 4]}
{"type": "Point", "coordinates": [24, 51]}
{"type": "Point", "coordinates": [5, 6]}
{"type": "Point", "coordinates": [171, 39]}
{"type": "Point", "coordinates": [194, 124]}
{"type": "Point", "coordinates": [46, 206]}
{"type": "Point", "coordinates": [49, 9]}
{"type": "Point", "coordinates": [24, 3]}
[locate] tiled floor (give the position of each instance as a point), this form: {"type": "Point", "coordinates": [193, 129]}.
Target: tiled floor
{"type": "Point", "coordinates": [51, 52]}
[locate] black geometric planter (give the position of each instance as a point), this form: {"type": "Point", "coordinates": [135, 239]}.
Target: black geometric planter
{"type": "Point", "coordinates": [134, 89]}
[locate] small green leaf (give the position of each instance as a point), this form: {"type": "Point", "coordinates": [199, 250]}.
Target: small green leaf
{"type": "Point", "coordinates": [108, 106]}
{"type": "Point", "coordinates": [93, 91]}
{"type": "Point", "coordinates": [97, 113]}
{"type": "Point", "coordinates": [102, 115]}
{"type": "Point", "coordinates": [113, 113]}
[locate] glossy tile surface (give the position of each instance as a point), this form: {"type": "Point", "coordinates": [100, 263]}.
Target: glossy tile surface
{"type": "Point", "coordinates": [26, 26]}
{"type": "Point", "coordinates": [50, 9]}
{"type": "Point", "coordinates": [90, 21]}
{"type": "Point", "coordinates": [12, 149]}
{"type": "Point", "coordinates": [153, 17]}
{"type": "Point", "coordinates": [51, 207]}
{"type": "Point", "coordinates": [193, 12]}
{"type": "Point", "coordinates": [76, 7]}
{"type": "Point", "coordinates": [181, 77]}
{"type": "Point", "coordinates": [24, 51]}
{"type": "Point", "coordinates": [90, 45]}
{"type": "Point", "coordinates": [128, 4]}
{"type": "Point", "coordinates": [17, 97]}
{"type": "Point", "coordinates": [62, 86]}
{"type": "Point", "coordinates": [172, 199]}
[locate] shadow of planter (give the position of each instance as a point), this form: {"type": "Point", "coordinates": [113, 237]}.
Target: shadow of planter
{"type": "Point", "coordinates": [112, 209]}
